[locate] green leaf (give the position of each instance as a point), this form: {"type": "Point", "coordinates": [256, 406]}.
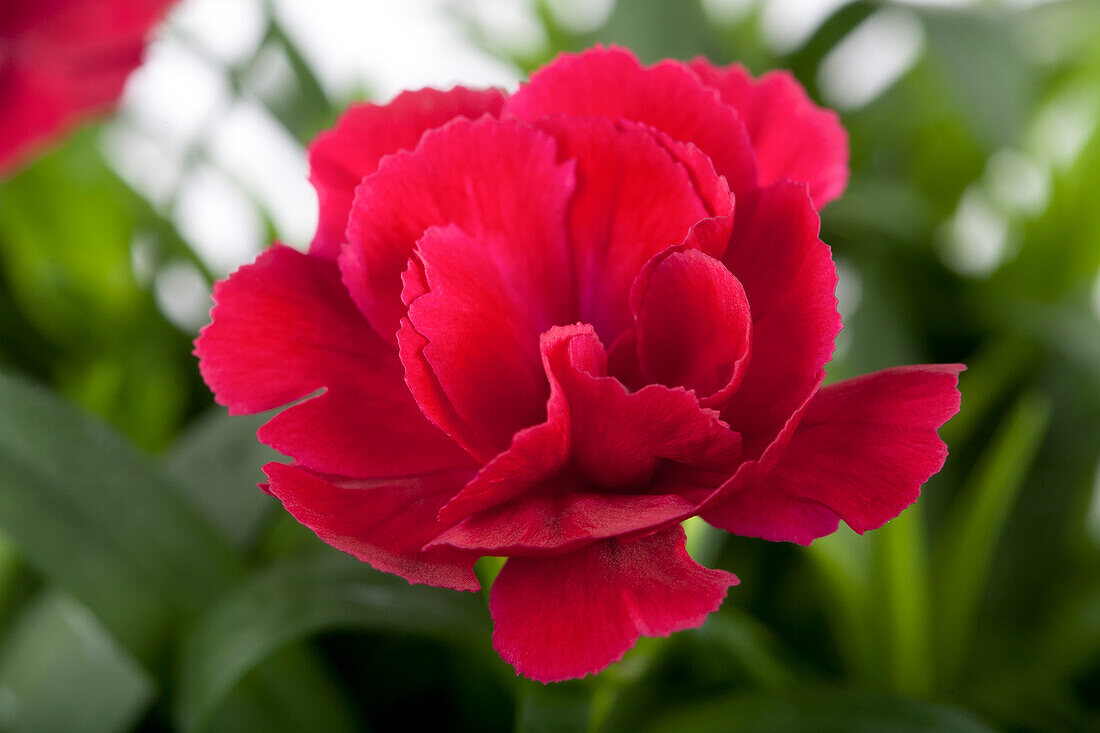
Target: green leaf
{"type": "Point", "coordinates": [217, 463]}
{"type": "Point", "coordinates": [67, 224]}
{"type": "Point", "coordinates": [305, 109]}
{"type": "Point", "coordinates": [969, 538]}
{"type": "Point", "coordinates": [657, 29]}
{"type": "Point", "coordinates": [840, 561]}
{"type": "Point", "coordinates": [297, 599]}
{"type": "Point", "coordinates": [985, 67]}
{"type": "Point", "coordinates": [290, 691]}
{"type": "Point", "coordinates": [890, 210]}
{"type": "Point", "coordinates": [990, 373]}
{"type": "Point", "coordinates": [564, 707]}
{"type": "Point", "coordinates": [1060, 249]}
{"type": "Point", "coordinates": [749, 645]}
{"type": "Point", "coordinates": [66, 227]}
{"type": "Point", "coordinates": [13, 588]}
{"type": "Point", "coordinates": [817, 711]}
{"type": "Point", "coordinates": [1070, 642]}
{"type": "Point", "coordinates": [59, 665]}
{"type": "Point", "coordinates": [901, 582]}
{"type": "Point", "coordinates": [97, 518]}
{"type": "Point", "coordinates": [704, 541]}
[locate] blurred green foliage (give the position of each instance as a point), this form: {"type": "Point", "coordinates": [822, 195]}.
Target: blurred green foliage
{"type": "Point", "coordinates": [146, 583]}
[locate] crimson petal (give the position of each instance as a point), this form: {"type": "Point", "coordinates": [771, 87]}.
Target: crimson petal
{"type": "Point", "coordinates": [570, 615]}
{"type": "Point", "coordinates": [558, 518]}
{"type": "Point", "coordinates": [861, 454]}
{"type": "Point", "coordinates": [793, 138]}
{"type": "Point", "coordinates": [693, 325]}
{"type": "Point", "coordinates": [610, 82]}
{"type": "Point", "coordinates": [284, 328]}
{"type": "Point", "coordinates": [592, 469]}
{"type": "Point", "coordinates": [496, 181]}
{"type": "Point", "coordinates": [479, 306]}
{"type": "Point", "coordinates": [635, 196]}
{"type": "Point", "coordinates": [790, 280]}
{"type": "Point", "coordinates": [340, 158]}
{"type": "Point", "coordinates": [383, 522]}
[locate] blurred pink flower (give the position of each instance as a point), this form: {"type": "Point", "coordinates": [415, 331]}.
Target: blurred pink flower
{"type": "Point", "coordinates": [62, 61]}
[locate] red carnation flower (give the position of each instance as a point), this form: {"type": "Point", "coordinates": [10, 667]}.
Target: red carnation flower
{"type": "Point", "coordinates": [552, 326]}
{"type": "Point", "coordinates": [62, 61]}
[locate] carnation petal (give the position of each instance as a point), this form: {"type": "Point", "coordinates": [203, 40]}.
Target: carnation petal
{"type": "Point", "coordinates": [340, 158]}
{"type": "Point", "coordinates": [496, 181]}
{"type": "Point", "coordinates": [593, 469]}
{"type": "Point", "coordinates": [793, 138]}
{"type": "Point", "coordinates": [383, 522]}
{"type": "Point", "coordinates": [557, 518]}
{"type": "Point", "coordinates": [81, 27]}
{"type": "Point", "coordinates": [618, 437]}
{"type": "Point", "coordinates": [861, 454]}
{"type": "Point", "coordinates": [611, 83]}
{"type": "Point", "coordinates": [790, 280]}
{"type": "Point", "coordinates": [64, 61]}
{"type": "Point", "coordinates": [636, 195]}
{"type": "Point", "coordinates": [570, 615]}
{"type": "Point", "coordinates": [693, 325]}
{"type": "Point", "coordinates": [479, 306]}
{"type": "Point", "coordinates": [284, 328]}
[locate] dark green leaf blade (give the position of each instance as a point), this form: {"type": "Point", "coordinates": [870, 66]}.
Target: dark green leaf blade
{"type": "Point", "coordinates": [557, 708]}
{"type": "Point", "coordinates": [816, 710]}
{"type": "Point", "coordinates": [97, 517]}
{"type": "Point", "coordinates": [969, 539]}
{"type": "Point", "coordinates": [299, 598]}
{"type": "Point", "coordinates": [217, 463]}
{"type": "Point", "coordinates": [58, 665]}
